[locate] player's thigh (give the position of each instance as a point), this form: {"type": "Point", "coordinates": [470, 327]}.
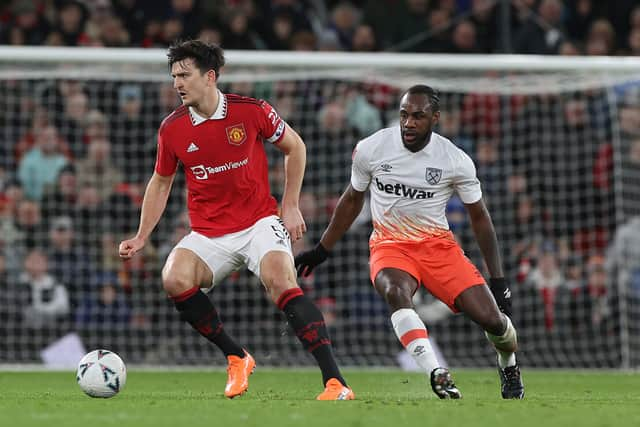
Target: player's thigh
{"type": "Point", "coordinates": [394, 275]}
{"type": "Point", "coordinates": [220, 255]}
{"type": "Point", "coordinates": [269, 255]}
{"type": "Point", "coordinates": [183, 270]}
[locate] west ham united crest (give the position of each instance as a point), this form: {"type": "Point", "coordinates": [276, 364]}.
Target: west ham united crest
{"type": "Point", "coordinates": [236, 134]}
{"type": "Point", "coordinates": [433, 175]}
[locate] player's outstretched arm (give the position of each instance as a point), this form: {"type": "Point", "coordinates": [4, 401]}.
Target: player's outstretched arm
{"type": "Point", "coordinates": [153, 205]}
{"type": "Point", "coordinates": [488, 242]}
{"type": "Point", "coordinates": [347, 210]}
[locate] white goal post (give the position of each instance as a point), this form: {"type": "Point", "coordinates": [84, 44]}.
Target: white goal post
{"type": "Point", "coordinates": [556, 142]}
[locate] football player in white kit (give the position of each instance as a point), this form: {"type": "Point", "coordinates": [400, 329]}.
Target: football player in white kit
{"type": "Point", "coordinates": [411, 172]}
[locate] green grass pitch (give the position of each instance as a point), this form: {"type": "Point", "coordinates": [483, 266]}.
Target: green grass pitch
{"type": "Point", "coordinates": [279, 398]}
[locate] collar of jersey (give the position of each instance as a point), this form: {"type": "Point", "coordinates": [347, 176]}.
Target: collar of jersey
{"type": "Point", "coordinates": [219, 114]}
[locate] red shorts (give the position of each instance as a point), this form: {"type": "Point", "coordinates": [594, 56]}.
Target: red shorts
{"type": "Point", "coordinates": [439, 264]}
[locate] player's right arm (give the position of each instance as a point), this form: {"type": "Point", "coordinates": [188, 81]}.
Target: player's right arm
{"type": "Point", "coordinates": [153, 205]}
{"type": "Point", "coordinates": [347, 210]}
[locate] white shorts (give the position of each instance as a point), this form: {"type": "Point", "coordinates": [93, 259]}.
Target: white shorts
{"type": "Point", "coordinates": [231, 252]}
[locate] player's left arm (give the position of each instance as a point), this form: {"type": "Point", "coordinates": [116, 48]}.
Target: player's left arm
{"type": "Point", "coordinates": [485, 233]}
{"type": "Point", "coordinates": [295, 158]}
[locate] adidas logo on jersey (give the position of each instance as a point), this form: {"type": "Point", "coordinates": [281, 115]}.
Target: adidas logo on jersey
{"type": "Point", "coordinates": [192, 147]}
{"type": "Point", "coordinates": [404, 191]}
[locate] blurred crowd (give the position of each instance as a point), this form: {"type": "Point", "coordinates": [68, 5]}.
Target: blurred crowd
{"type": "Point", "coordinates": [563, 27]}
{"type": "Point", "coordinates": [559, 173]}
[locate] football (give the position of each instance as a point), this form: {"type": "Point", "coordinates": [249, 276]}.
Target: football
{"type": "Point", "coordinates": [101, 373]}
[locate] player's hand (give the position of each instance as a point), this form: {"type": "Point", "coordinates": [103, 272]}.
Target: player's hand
{"type": "Point", "coordinates": [308, 260]}
{"type": "Point", "coordinates": [128, 248]}
{"type": "Point", "coordinates": [502, 294]}
{"type": "Point", "coordinates": [294, 223]}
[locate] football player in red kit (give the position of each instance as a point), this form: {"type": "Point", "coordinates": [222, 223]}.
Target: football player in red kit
{"type": "Point", "coordinates": [219, 139]}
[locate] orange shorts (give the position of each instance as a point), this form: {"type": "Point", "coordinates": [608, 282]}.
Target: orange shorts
{"type": "Point", "coordinates": [439, 264]}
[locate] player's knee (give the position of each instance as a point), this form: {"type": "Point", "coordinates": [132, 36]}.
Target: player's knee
{"type": "Point", "coordinates": [494, 323]}
{"type": "Point", "coordinates": [397, 297]}
{"type": "Point", "coordinates": [174, 283]}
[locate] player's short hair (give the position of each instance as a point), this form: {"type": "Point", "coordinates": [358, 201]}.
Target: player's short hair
{"type": "Point", "coordinates": [429, 92]}
{"type": "Point", "coordinates": [206, 56]}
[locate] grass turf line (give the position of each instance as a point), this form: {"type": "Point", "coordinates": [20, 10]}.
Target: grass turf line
{"type": "Point", "coordinates": [280, 398]}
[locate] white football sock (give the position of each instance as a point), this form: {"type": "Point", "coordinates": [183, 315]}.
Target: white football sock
{"type": "Point", "coordinates": [413, 335]}
{"type": "Point", "coordinates": [505, 358]}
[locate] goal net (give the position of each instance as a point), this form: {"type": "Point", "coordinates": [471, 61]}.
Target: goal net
{"type": "Point", "coordinates": [556, 142]}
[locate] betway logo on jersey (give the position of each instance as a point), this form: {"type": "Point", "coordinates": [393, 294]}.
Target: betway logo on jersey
{"type": "Point", "coordinates": [404, 191]}
{"type": "Point", "coordinates": [203, 172]}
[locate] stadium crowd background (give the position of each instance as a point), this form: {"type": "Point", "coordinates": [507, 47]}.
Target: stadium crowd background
{"type": "Point", "coordinates": [75, 156]}
{"type": "Point", "coordinates": [569, 27]}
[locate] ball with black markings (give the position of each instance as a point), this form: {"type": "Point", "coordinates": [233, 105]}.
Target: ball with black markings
{"type": "Point", "coordinates": [101, 373]}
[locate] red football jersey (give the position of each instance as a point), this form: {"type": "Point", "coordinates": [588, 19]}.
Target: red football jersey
{"type": "Point", "coordinates": [224, 160]}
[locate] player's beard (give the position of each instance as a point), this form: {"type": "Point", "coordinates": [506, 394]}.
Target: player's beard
{"type": "Point", "coordinates": [417, 143]}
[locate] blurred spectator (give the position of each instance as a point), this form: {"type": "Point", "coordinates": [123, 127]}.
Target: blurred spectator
{"type": "Point", "coordinates": [438, 33]}
{"type": "Point", "coordinates": [239, 34]}
{"type": "Point", "coordinates": [28, 26]}
{"type": "Point", "coordinates": [343, 22]}
{"type": "Point", "coordinates": [364, 39]}
{"type": "Point", "coordinates": [597, 288]}
{"type": "Point", "coordinates": [361, 115]}
{"type": "Point", "coordinates": [464, 38]}
{"type": "Point", "coordinates": [623, 257]}
{"type": "Point", "coordinates": [580, 14]}
{"type": "Point", "coordinates": [60, 199]}
{"type": "Point", "coordinates": [542, 33]}
{"type": "Point", "coordinates": [30, 224]}
{"type": "Point", "coordinates": [40, 121]}
{"type": "Point", "coordinates": [134, 15]}
{"type": "Point", "coordinates": [211, 35]}
{"type": "Point", "coordinates": [46, 301]}
{"type": "Point", "coordinates": [601, 39]}
{"type": "Point", "coordinates": [131, 139]}
{"type": "Point", "coordinates": [304, 41]}
{"type": "Point", "coordinates": [568, 48]}
{"type": "Point", "coordinates": [97, 169]}
{"type": "Point", "coordinates": [547, 277]}
{"type": "Point", "coordinates": [41, 164]}
{"type": "Point", "coordinates": [71, 123]}
{"type": "Point", "coordinates": [71, 262]}
{"type": "Point", "coordinates": [188, 16]}
{"type": "Point", "coordinates": [104, 308]}
{"type": "Point", "coordinates": [72, 17]}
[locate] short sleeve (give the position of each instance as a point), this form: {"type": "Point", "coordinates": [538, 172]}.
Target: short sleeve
{"type": "Point", "coordinates": [360, 171]}
{"type": "Point", "coordinates": [271, 125]}
{"type": "Point", "coordinates": [466, 182]}
{"type": "Point", "coordinates": [166, 160]}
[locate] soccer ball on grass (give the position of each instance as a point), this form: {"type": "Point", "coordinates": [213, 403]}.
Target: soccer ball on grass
{"type": "Point", "coordinates": [101, 373]}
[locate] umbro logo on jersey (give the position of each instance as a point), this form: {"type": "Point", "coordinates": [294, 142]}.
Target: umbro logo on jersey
{"type": "Point", "coordinates": [404, 191]}
{"type": "Point", "coordinates": [386, 167]}
{"type": "Point", "coordinates": [192, 147]}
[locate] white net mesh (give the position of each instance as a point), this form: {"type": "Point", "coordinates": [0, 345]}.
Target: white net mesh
{"type": "Point", "coordinates": [558, 154]}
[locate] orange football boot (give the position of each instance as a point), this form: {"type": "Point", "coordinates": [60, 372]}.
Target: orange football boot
{"type": "Point", "coordinates": [238, 372]}
{"type": "Point", "coordinates": [334, 390]}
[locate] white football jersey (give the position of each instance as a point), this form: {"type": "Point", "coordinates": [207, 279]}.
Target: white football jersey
{"type": "Point", "coordinates": [409, 191]}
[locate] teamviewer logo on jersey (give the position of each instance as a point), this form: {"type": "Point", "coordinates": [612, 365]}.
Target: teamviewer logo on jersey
{"type": "Point", "coordinates": [433, 175]}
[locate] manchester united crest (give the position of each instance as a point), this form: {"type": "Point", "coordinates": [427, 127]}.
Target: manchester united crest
{"type": "Point", "coordinates": [236, 134]}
